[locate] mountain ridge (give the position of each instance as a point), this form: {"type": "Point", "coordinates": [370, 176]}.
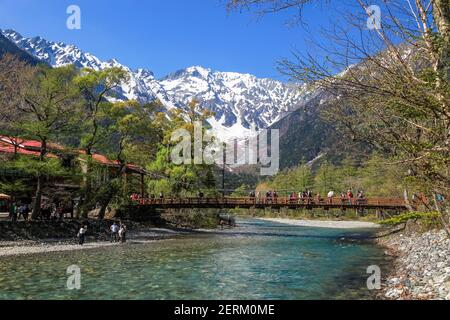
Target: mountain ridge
{"type": "Point", "coordinates": [239, 101]}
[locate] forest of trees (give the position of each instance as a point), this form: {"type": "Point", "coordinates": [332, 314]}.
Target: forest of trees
{"type": "Point", "coordinates": [389, 83]}
{"type": "Point", "coordinates": [373, 177]}
{"type": "Point", "coordinates": [76, 108]}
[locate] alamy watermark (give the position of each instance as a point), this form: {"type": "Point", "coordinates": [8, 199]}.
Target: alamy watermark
{"type": "Point", "coordinates": [73, 22]}
{"type": "Point", "coordinates": [74, 279]}
{"type": "Point", "coordinates": [207, 149]}
{"type": "Point", "coordinates": [374, 19]}
{"type": "Point", "coordinates": [374, 280]}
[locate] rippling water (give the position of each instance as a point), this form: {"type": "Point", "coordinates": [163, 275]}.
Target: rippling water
{"type": "Point", "coordinates": [257, 260]}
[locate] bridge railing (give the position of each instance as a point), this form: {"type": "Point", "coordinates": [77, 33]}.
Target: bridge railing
{"type": "Point", "coordinates": [245, 201]}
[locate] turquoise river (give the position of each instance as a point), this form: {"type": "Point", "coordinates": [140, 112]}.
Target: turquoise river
{"type": "Point", "coordinates": [257, 260]}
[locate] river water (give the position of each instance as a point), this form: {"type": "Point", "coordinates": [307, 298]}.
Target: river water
{"type": "Point", "coordinates": [257, 260]}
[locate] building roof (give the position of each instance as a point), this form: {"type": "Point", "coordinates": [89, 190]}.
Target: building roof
{"type": "Point", "coordinates": [30, 144]}
{"type": "Point", "coordinates": [11, 145]}
{"type": "Point", "coordinates": [9, 148]}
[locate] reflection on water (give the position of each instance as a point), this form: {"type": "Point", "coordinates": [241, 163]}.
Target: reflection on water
{"type": "Point", "coordinates": [258, 260]}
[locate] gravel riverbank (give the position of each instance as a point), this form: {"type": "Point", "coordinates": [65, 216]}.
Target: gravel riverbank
{"type": "Point", "coordinates": [421, 267]}
{"type": "Point", "coordinates": [26, 247]}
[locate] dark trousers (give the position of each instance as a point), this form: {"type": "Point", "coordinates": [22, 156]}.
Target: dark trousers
{"type": "Point", "coordinates": [114, 236]}
{"type": "Point", "coordinates": [81, 242]}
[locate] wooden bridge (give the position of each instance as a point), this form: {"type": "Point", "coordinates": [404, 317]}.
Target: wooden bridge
{"type": "Point", "coordinates": [397, 204]}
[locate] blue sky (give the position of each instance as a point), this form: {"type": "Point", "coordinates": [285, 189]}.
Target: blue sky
{"type": "Point", "coordinates": [166, 35]}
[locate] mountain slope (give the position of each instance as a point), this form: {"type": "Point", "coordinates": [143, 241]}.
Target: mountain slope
{"type": "Point", "coordinates": [303, 134]}
{"type": "Point", "coordinates": [7, 46]}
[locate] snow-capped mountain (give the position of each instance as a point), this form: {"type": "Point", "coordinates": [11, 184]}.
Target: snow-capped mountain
{"type": "Point", "coordinates": [239, 101]}
{"type": "Point", "coordinates": [236, 99]}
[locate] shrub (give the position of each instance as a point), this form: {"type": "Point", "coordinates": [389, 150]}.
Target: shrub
{"type": "Point", "coordinates": [427, 217]}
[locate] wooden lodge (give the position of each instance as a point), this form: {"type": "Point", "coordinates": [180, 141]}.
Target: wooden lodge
{"type": "Point", "coordinates": [70, 158]}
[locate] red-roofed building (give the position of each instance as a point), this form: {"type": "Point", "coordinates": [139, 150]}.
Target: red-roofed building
{"type": "Point", "coordinates": [10, 146]}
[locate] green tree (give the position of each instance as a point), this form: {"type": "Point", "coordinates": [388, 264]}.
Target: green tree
{"type": "Point", "coordinates": [183, 179]}
{"type": "Point", "coordinates": [325, 179]}
{"type": "Point", "coordinates": [97, 88]}
{"type": "Point", "coordinates": [50, 108]}
{"type": "Point", "coordinates": [241, 191]}
{"type": "Point", "coordinates": [130, 123]}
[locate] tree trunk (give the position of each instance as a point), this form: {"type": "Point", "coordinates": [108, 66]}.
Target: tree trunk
{"type": "Point", "coordinates": [36, 213]}
{"type": "Point", "coordinates": [104, 206]}
{"type": "Point", "coordinates": [86, 198]}
{"type": "Point", "coordinates": [37, 199]}
{"type": "Point", "coordinates": [441, 16]}
{"type": "Point", "coordinates": [407, 202]}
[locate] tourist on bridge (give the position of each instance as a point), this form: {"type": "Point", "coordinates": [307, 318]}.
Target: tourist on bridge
{"type": "Point", "coordinates": [318, 198]}
{"type": "Point", "coordinates": [82, 234]}
{"type": "Point", "coordinates": [360, 197]}
{"type": "Point", "coordinates": [252, 196]}
{"type": "Point", "coordinates": [343, 198]}
{"type": "Point", "coordinates": [302, 195]}
{"type": "Point", "coordinates": [309, 196]}
{"type": "Point", "coordinates": [114, 232]}
{"type": "Point", "coordinates": [349, 196]}
{"type": "Point", "coordinates": [292, 197]}
{"type": "Point", "coordinates": [330, 196]}
{"type": "Point", "coordinates": [274, 196]}
{"type": "Point", "coordinates": [268, 196]}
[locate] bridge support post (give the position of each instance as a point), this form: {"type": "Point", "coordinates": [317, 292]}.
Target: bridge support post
{"type": "Point", "coordinates": [378, 214]}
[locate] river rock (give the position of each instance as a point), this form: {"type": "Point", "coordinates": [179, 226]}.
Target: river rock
{"type": "Point", "coordinates": [421, 268]}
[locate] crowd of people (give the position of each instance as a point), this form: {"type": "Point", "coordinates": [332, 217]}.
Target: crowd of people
{"type": "Point", "coordinates": [307, 197]}
{"type": "Point", "coordinates": [118, 233]}
{"type": "Point", "coordinates": [49, 210]}
{"type": "Point", "coordinates": [19, 211]}
{"type": "Point", "coordinates": [271, 197]}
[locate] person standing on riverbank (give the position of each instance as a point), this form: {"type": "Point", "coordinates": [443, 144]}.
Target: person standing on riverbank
{"type": "Point", "coordinates": [123, 233]}
{"type": "Point", "coordinates": [24, 211]}
{"type": "Point", "coordinates": [82, 235]}
{"type": "Point", "coordinates": [13, 212]}
{"type": "Point", "coordinates": [114, 232]}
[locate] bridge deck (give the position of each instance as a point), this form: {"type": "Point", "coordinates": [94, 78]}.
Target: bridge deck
{"type": "Point", "coordinates": [280, 202]}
